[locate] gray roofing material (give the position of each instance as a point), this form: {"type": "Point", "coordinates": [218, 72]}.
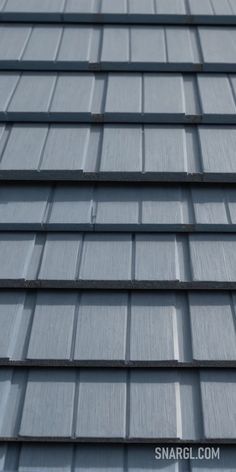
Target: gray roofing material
{"type": "Point", "coordinates": [118, 260]}
{"type": "Point", "coordinates": [118, 48]}
{"type": "Point", "coordinates": [118, 405]}
{"type": "Point", "coordinates": [118, 97]}
{"type": "Point", "coordinates": [101, 332]}
{"type": "Point", "coordinates": [126, 207]}
{"type": "Point", "coordinates": [118, 152]}
{"type": "Point", "coordinates": [120, 11]}
{"type": "Point", "coordinates": [108, 457]}
{"type": "Point", "coordinates": [102, 328]}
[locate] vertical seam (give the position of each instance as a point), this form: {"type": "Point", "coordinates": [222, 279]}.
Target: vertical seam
{"type": "Point", "coordinates": [53, 91]}
{"type": "Point", "coordinates": [43, 147]}
{"type": "Point", "coordinates": [20, 410]}
{"type": "Point", "coordinates": [7, 131]}
{"type": "Point", "coordinates": [76, 403]}
{"type": "Point", "coordinates": [13, 91]}
{"type": "Point", "coordinates": [166, 45]}
{"type": "Point", "coordinates": [127, 411]}
{"type": "Point", "coordinates": [79, 258]}
{"type": "Point", "coordinates": [43, 245]}
{"type": "Point", "coordinates": [133, 256]}
{"type": "Point", "coordinates": [30, 326]}
{"type": "Point", "coordinates": [232, 89]}
{"type": "Point", "coordinates": [128, 327]}
{"type": "Point", "coordinates": [26, 42]}
{"type": "Point", "coordinates": [75, 325]}
{"type": "Point", "coordinates": [143, 147]}
{"type": "Point", "coordinates": [59, 43]}
{"type": "Point", "coordinates": [100, 146]}
{"type": "Point", "coordinates": [199, 150]}
{"type": "Point", "coordinates": [212, 7]}
{"type": "Point", "coordinates": [94, 205]}
{"type": "Point", "coordinates": [227, 209]}
{"type": "Point", "coordinates": [154, 7]}
{"type": "Point", "coordinates": [232, 307]}
{"type": "Point", "coordinates": [49, 205]}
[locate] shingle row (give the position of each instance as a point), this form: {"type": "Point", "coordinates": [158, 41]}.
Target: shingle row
{"type": "Point", "coordinates": [118, 152]}
{"type": "Point", "coordinates": [117, 328]}
{"type": "Point", "coordinates": [125, 405]}
{"type": "Point", "coordinates": [87, 457]}
{"type": "Point", "coordinates": [120, 11]}
{"type": "Point", "coordinates": [118, 260]}
{"type": "Point", "coordinates": [118, 97]}
{"type": "Point", "coordinates": [120, 48]}
{"type": "Point", "coordinates": [99, 207]}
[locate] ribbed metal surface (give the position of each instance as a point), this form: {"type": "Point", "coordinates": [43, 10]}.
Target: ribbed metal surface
{"type": "Point", "coordinates": [118, 48]}
{"type": "Point", "coordinates": [117, 260]}
{"type": "Point", "coordinates": [69, 458]}
{"type": "Point", "coordinates": [118, 405]}
{"type": "Point", "coordinates": [118, 97]}
{"type": "Point", "coordinates": [111, 327]}
{"type": "Point", "coordinates": [97, 207]}
{"type": "Point", "coordinates": [120, 11]}
{"type": "Point", "coordinates": [104, 328]}
{"type": "Point", "coordinates": [118, 152]}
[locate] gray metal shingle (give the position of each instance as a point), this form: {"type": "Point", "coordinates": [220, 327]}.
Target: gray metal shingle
{"type": "Point", "coordinates": [218, 415]}
{"type": "Point", "coordinates": [48, 404]}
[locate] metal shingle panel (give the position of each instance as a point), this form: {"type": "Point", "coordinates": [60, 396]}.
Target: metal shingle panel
{"type": "Point", "coordinates": [152, 263]}
{"type": "Point", "coordinates": [104, 457]}
{"type": "Point", "coordinates": [100, 207]}
{"type": "Point", "coordinates": [212, 325]}
{"type": "Point", "coordinates": [105, 416]}
{"type": "Point", "coordinates": [150, 11]}
{"type": "Point", "coordinates": [212, 392]}
{"type": "Point", "coordinates": [118, 48]}
{"type": "Point", "coordinates": [160, 390]}
{"type": "Point", "coordinates": [205, 264]}
{"type": "Point", "coordinates": [101, 326]}
{"type": "Point", "coordinates": [54, 260]}
{"type": "Point", "coordinates": [106, 257]}
{"type": "Point", "coordinates": [48, 404]}
{"type": "Point", "coordinates": [61, 403]}
{"type": "Point", "coordinates": [52, 326]}
{"type": "Point", "coordinates": [117, 97]}
{"type": "Point", "coordinates": [117, 329]}
{"type": "Point", "coordinates": [118, 152]}
{"type": "Point", "coordinates": [60, 255]}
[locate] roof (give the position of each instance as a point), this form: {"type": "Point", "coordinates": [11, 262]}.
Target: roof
{"type": "Point", "coordinates": [117, 234]}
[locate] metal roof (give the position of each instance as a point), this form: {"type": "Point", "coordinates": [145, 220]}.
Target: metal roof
{"type": "Point", "coordinates": [117, 233]}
